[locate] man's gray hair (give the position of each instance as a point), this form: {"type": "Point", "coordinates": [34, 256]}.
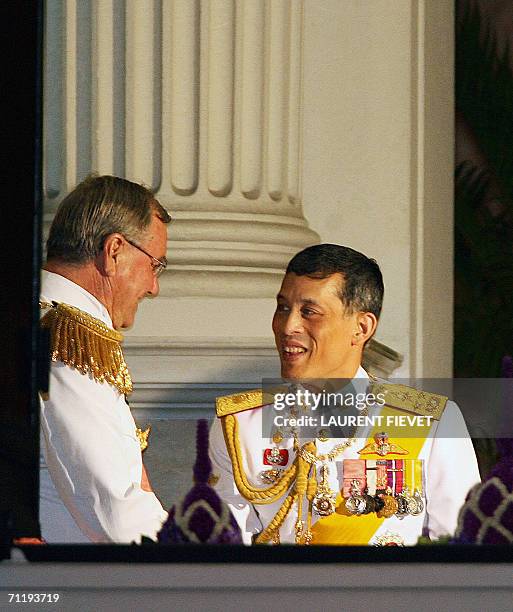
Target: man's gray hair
{"type": "Point", "coordinates": [97, 207]}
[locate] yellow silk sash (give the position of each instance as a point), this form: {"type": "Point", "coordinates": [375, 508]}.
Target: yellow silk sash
{"type": "Point", "coordinates": [340, 528]}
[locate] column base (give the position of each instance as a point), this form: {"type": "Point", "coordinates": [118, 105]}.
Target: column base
{"type": "Point", "coordinates": [223, 254]}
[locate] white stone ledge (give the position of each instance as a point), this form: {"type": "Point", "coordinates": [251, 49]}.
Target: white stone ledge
{"type": "Point", "coordinates": [250, 576]}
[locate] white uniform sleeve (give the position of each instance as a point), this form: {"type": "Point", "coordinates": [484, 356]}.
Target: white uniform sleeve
{"type": "Point", "coordinates": [94, 459]}
{"type": "Point", "coordinates": [242, 510]}
{"type": "Point", "coordinates": [451, 471]}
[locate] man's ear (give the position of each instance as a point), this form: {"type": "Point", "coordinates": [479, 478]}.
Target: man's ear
{"type": "Point", "coordinates": [108, 258]}
{"type": "Point", "coordinates": [366, 324]}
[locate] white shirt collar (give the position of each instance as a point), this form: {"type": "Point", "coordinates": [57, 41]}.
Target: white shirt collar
{"type": "Point", "coordinates": [55, 287]}
{"type": "Point", "coordinates": [361, 373]}
{"type": "Point", "coordinates": [359, 382]}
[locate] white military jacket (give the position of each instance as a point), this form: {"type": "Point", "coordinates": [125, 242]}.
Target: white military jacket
{"type": "Point", "coordinates": [91, 464]}
{"type": "Point", "coordinates": [449, 470]}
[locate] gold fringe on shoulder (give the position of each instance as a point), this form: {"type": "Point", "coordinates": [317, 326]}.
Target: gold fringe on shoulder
{"type": "Point", "coordinates": [88, 345]}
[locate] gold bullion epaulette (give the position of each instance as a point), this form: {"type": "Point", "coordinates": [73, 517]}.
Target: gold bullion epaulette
{"type": "Point", "coordinates": [411, 400]}
{"type": "Point", "coordinates": [247, 400]}
{"type": "Point", "coordinates": [86, 344]}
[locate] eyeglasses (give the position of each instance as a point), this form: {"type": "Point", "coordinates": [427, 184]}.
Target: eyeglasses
{"type": "Point", "coordinates": [158, 265]}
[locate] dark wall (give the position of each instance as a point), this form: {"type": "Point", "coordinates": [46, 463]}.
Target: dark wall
{"type": "Point", "coordinates": [483, 314]}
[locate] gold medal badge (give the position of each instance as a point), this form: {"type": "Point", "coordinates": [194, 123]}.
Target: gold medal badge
{"type": "Point", "coordinates": [388, 539]}
{"type": "Point", "coordinates": [390, 506]}
{"type": "Point", "coordinates": [270, 476]}
{"type": "Point", "coordinates": [356, 503]}
{"type": "Point", "coordinates": [382, 446]}
{"type": "Point", "coordinates": [324, 500]}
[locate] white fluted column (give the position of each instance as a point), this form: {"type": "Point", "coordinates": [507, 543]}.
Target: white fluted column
{"type": "Point", "coordinates": [201, 100]}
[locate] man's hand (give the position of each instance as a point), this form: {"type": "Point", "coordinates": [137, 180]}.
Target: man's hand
{"type": "Point", "coordinates": [145, 482]}
{"type": "Point", "coordinates": [27, 541]}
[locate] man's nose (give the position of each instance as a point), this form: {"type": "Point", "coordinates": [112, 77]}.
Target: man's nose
{"type": "Point", "coordinates": [293, 323]}
{"type": "Point", "coordinates": [155, 288]}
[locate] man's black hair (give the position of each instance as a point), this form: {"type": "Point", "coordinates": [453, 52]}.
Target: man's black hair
{"type": "Point", "coordinates": [362, 287]}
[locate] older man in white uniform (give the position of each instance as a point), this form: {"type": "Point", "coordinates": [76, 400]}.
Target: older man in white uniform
{"type": "Point", "coordinates": [370, 487]}
{"type": "Point", "coordinates": [106, 248]}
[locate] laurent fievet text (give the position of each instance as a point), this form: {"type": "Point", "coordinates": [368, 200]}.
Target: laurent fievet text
{"type": "Point", "coordinates": [380, 420]}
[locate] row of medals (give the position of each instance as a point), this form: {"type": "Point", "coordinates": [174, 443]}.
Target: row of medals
{"type": "Point", "coordinates": [384, 503]}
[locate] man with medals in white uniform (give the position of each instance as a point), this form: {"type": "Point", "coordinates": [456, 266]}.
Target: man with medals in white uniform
{"type": "Point", "coordinates": [380, 483]}
{"type": "Point", "coordinates": [105, 251]}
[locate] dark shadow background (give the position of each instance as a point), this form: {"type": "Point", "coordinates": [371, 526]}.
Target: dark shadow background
{"type": "Point", "coordinates": [21, 24]}
{"type": "Point", "coordinates": [484, 187]}
{"type": "Point", "coordinates": [483, 291]}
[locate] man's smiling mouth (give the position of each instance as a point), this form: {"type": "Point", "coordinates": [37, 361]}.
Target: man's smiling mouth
{"type": "Point", "coordinates": [291, 352]}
